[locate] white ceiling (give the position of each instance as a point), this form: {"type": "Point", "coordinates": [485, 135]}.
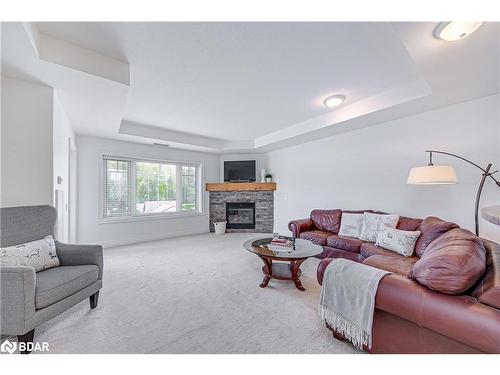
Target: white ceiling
{"type": "Point", "coordinates": [249, 86]}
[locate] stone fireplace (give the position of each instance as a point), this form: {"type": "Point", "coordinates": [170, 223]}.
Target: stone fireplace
{"type": "Point", "coordinates": [247, 207]}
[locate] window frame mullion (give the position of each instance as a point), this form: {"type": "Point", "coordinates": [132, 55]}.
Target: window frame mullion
{"type": "Point", "coordinates": [132, 186]}
{"type": "Point", "coordinates": [178, 188]}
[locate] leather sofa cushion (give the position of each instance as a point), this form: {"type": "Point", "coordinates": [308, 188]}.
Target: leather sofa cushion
{"type": "Point", "coordinates": [368, 249]}
{"type": "Point", "coordinates": [452, 263]}
{"type": "Point", "coordinates": [331, 252]}
{"type": "Point", "coordinates": [431, 228]}
{"type": "Point", "coordinates": [487, 290]}
{"type": "Point", "coordinates": [394, 263]}
{"type": "Point", "coordinates": [57, 283]}
{"type": "Point", "coordinates": [344, 243]}
{"type": "Point", "coordinates": [327, 220]}
{"type": "Point", "coordinates": [316, 236]}
{"type": "Point", "coordinates": [408, 223]}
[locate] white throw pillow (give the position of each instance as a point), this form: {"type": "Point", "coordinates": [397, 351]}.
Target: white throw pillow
{"type": "Point", "coordinates": [40, 254]}
{"type": "Point", "coordinates": [401, 241]}
{"type": "Point", "coordinates": [351, 224]}
{"type": "Point", "coordinates": [373, 223]}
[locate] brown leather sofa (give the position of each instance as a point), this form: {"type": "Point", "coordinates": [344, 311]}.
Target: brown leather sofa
{"type": "Point", "coordinates": [410, 317]}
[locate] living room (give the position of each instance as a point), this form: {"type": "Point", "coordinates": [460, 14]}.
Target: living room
{"type": "Point", "coordinates": [237, 188]}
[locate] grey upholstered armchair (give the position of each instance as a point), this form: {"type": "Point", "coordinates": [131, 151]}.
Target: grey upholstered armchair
{"type": "Point", "coordinates": [28, 299]}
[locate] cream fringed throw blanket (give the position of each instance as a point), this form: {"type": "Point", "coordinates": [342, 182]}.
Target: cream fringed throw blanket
{"type": "Point", "coordinates": [347, 301]}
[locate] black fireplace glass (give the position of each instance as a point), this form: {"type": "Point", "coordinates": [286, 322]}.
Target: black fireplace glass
{"type": "Point", "coordinates": [240, 215]}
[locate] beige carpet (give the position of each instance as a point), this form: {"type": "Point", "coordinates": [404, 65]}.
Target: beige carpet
{"type": "Point", "coordinates": [197, 294]}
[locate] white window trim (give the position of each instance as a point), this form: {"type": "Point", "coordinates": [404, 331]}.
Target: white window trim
{"type": "Point", "coordinates": [200, 199]}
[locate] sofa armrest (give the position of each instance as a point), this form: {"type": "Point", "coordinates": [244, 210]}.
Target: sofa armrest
{"type": "Point", "coordinates": [299, 226]}
{"type": "Point", "coordinates": [17, 299]}
{"type": "Point", "coordinates": [459, 317]}
{"type": "Point", "coordinates": [322, 268]}
{"type": "Point", "coordinates": [76, 255]}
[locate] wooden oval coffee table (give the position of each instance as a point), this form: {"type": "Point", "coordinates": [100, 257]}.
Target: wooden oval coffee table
{"type": "Point", "coordinates": [282, 271]}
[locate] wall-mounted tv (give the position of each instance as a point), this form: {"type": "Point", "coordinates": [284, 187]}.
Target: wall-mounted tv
{"type": "Point", "coordinates": [239, 171]}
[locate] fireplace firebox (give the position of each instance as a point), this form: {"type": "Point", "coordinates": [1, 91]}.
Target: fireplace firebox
{"type": "Point", "coordinates": [240, 215]}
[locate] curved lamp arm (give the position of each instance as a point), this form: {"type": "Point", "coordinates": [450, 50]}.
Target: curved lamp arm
{"type": "Point", "coordinates": [486, 173]}
{"type": "Point", "coordinates": [490, 174]}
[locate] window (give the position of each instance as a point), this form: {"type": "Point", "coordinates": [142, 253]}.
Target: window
{"type": "Point", "coordinates": [155, 188]}
{"type": "Point", "coordinates": [116, 187]}
{"type": "Point", "coordinates": [138, 188]}
{"type": "Point", "coordinates": [188, 185]}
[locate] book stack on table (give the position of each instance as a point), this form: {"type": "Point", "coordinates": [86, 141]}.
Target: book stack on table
{"type": "Point", "coordinates": [282, 244]}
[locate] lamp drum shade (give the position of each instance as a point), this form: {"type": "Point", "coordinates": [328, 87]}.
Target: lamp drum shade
{"type": "Point", "coordinates": [432, 175]}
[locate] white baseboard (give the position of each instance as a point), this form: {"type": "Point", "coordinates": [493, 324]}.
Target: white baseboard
{"type": "Point", "coordinates": [134, 240]}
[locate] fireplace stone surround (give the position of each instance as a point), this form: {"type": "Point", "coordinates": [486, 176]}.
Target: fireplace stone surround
{"type": "Point", "coordinates": [264, 208]}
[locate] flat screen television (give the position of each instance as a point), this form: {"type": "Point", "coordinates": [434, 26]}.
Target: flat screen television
{"type": "Point", "coordinates": [239, 171]}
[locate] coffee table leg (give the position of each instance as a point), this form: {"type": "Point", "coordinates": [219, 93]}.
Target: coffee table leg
{"type": "Point", "coordinates": [264, 282]}
{"type": "Point", "coordinates": [268, 264]}
{"type": "Point", "coordinates": [294, 268]}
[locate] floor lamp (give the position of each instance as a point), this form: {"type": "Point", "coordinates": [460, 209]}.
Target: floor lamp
{"type": "Point", "coordinates": [445, 175]}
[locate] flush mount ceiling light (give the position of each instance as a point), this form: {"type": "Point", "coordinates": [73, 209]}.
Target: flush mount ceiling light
{"type": "Point", "coordinates": [334, 101]}
{"type": "Point", "coordinates": [451, 31]}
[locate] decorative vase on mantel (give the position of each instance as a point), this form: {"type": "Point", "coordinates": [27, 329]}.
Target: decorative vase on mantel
{"type": "Point", "coordinates": [262, 175]}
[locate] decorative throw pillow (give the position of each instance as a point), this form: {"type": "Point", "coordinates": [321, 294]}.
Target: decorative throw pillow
{"type": "Point", "coordinates": [40, 254]}
{"type": "Point", "coordinates": [373, 223]}
{"type": "Point", "coordinates": [351, 224]}
{"type": "Point", "coordinates": [401, 241]}
{"type": "Point", "coordinates": [452, 263]}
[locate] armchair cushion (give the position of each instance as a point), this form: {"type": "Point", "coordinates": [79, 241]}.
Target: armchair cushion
{"type": "Point", "coordinates": [55, 284]}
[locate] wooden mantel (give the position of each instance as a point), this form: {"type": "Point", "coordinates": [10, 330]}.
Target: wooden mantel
{"type": "Point", "coordinates": [241, 186]}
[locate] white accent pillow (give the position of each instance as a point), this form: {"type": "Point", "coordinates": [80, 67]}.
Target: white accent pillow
{"type": "Point", "coordinates": [40, 254]}
{"type": "Point", "coordinates": [401, 241]}
{"type": "Point", "coordinates": [351, 224]}
{"type": "Point", "coordinates": [373, 223]}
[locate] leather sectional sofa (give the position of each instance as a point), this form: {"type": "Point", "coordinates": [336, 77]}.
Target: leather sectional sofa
{"type": "Point", "coordinates": [410, 317]}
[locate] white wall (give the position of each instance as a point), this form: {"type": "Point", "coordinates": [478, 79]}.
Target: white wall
{"type": "Point", "coordinates": [26, 133]}
{"type": "Point", "coordinates": [63, 141]}
{"type": "Point", "coordinates": [90, 230]}
{"type": "Point", "coordinates": [260, 163]}
{"type": "Point", "coordinates": [367, 168]}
